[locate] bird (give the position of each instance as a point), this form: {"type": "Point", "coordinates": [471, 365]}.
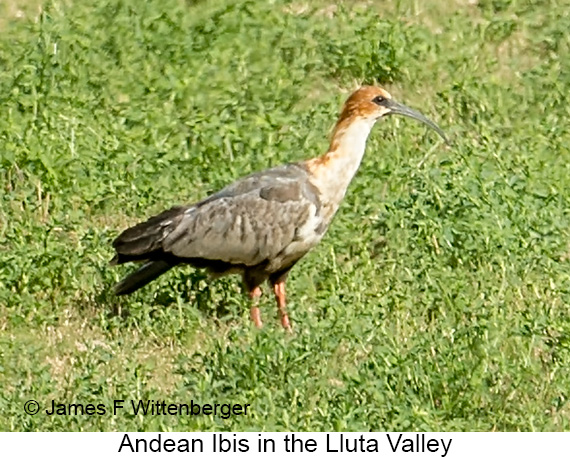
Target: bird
{"type": "Point", "coordinates": [264, 223]}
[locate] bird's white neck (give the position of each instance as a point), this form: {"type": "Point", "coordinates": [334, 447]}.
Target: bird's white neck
{"type": "Point", "coordinates": [334, 170]}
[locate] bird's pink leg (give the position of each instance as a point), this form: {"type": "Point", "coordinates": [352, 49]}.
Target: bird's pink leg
{"type": "Point", "coordinates": [279, 290]}
{"type": "Point", "coordinates": [255, 313]}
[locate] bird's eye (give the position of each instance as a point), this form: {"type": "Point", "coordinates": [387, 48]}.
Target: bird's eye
{"type": "Point", "coordinates": [379, 100]}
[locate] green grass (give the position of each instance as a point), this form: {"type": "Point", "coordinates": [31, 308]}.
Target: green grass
{"type": "Point", "coordinates": [438, 300]}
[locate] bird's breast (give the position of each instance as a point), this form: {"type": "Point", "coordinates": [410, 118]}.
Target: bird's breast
{"type": "Point", "coordinates": [307, 235]}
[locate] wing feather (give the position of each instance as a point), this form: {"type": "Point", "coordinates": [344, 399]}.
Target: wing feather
{"type": "Point", "coordinates": [247, 228]}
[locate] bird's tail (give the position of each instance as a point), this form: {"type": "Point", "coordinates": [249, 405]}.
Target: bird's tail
{"type": "Point", "coordinates": [144, 240]}
{"type": "Point", "coordinates": [145, 274]}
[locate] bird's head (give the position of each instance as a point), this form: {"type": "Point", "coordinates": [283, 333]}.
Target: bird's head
{"type": "Point", "coordinates": [372, 103]}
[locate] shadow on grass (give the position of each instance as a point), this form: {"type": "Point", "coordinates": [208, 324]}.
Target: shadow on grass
{"type": "Point", "coordinates": [213, 298]}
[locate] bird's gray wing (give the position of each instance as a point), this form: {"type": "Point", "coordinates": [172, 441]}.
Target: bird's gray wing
{"type": "Point", "coordinates": [276, 176]}
{"type": "Point", "coordinates": [250, 222]}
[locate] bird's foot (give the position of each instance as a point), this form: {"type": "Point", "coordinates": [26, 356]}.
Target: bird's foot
{"type": "Point", "coordinates": [255, 314]}
{"type": "Point", "coordinates": [285, 322]}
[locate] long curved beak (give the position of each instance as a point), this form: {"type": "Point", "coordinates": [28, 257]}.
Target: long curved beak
{"type": "Point", "coordinates": [398, 108]}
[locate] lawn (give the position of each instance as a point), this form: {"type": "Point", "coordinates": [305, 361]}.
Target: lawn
{"type": "Point", "coordinates": [440, 297]}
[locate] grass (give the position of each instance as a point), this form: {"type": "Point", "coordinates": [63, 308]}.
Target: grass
{"type": "Point", "coordinates": [438, 300]}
